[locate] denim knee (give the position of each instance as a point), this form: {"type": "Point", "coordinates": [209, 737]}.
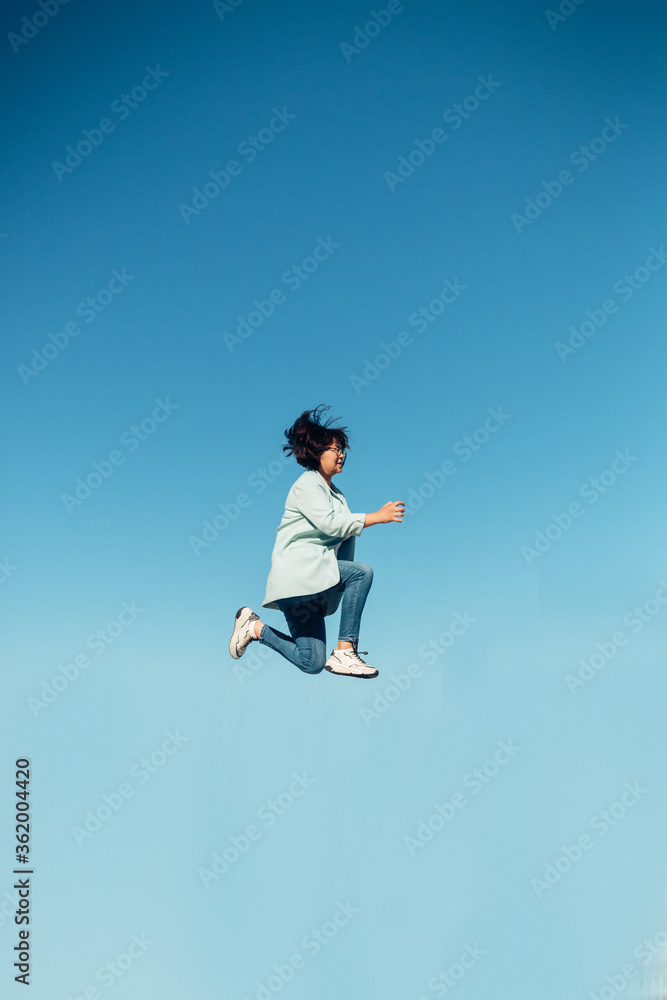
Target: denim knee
{"type": "Point", "coordinates": [313, 659]}
{"type": "Point", "coordinates": [367, 571]}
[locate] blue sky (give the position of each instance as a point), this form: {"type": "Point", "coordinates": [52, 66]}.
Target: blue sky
{"type": "Point", "coordinates": [406, 230]}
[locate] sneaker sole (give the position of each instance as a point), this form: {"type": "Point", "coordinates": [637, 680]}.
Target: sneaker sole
{"type": "Point", "coordinates": [344, 673]}
{"type": "Point", "coordinates": [233, 647]}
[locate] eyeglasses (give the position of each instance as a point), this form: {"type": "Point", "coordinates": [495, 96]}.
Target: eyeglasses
{"type": "Point", "coordinates": [339, 451]}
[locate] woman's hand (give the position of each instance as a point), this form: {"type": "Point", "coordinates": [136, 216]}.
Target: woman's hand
{"type": "Point", "coordinates": [394, 510]}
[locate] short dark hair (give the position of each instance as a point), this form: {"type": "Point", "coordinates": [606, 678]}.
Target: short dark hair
{"type": "Point", "coordinates": [308, 437]}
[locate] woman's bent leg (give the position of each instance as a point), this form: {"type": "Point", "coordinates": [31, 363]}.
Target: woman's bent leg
{"type": "Point", "coordinates": [306, 646]}
{"type": "Point", "coordinates": [357, 579]}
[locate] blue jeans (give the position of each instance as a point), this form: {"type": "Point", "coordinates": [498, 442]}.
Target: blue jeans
{"type": "Point", "coordinates": [306, 644]}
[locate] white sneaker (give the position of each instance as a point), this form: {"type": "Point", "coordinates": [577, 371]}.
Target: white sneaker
{"type": "Point", "coordinates": [348, 662]}
{"type": "Point", "coordinates": [243, 633]}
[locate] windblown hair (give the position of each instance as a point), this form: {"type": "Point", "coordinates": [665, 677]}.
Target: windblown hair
{"type": "Point", "coordinates": [308, 437]}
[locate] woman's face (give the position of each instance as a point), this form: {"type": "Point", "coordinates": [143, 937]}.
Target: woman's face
{"type": "Point", "coordinates": [331, 460]}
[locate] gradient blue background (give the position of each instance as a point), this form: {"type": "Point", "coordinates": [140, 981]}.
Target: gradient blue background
{"type": "Point", "coordinates": [375, 777]}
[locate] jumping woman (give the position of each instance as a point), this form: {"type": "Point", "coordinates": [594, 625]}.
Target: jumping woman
{"type": "Point", "coordinates": [312, 566]}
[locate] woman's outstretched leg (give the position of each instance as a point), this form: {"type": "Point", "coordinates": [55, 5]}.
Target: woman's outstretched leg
{"type": "Point", "coordinates": [305, 646]}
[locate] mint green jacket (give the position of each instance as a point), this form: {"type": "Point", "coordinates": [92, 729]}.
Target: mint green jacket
{"type": "Point", "coordinates": [316, 530]}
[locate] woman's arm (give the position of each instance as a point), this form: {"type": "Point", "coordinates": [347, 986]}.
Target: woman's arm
{"type": "Point", "coordinates": [314, 503]}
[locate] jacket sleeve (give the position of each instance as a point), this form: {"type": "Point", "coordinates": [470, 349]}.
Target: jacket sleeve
{"type": "Point", "coordinates": [312, 501]}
